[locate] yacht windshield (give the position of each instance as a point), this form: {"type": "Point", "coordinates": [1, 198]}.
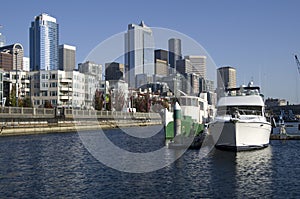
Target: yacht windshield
{"type": "Point", "coordinates": [241, 110]}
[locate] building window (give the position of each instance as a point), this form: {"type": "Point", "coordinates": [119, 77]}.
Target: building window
{"type": "Point", "coordinates": [53, 84]}
{"type": "Point", "coordinates": [53, 93]}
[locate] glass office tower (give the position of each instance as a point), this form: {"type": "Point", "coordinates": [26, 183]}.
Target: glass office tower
{"type": "Point", "coordinates": [43, 43]}
{"type": "Point", "coordinates": [139, 54]}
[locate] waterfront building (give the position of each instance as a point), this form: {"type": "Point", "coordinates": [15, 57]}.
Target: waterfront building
{"type": "Point", "coordinates": [114, 71]}
{"type": "Point", "coordinates": [52, 86]}
{"type": "Point", "coordinates": [66, 57]}
{"type": "Point", "coordinates": [19, 80]}
{"type": "Point", "coordinates": [78, 88]}
{"type": "Point", "coordinates": [139, 52]}
{"type": "Point", "coordinates": [43, 43]}
{"type": "Point", "coordinates": [11, 57]}
{"type": "Point", "coordinates": [58, 88]}
{"type": "Point", "coordinates": [174, 45]}
{"type": "Point", "coordinates": [93, 78]}
{"type": "Point", "coordinates": [198, 64]}
{"type": "Point", "coordinates": [26, 64]}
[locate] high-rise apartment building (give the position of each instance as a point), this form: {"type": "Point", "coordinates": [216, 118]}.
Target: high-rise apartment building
{"type": "Point", "coordinates": [174, 51]}
{"type": "Point", "coordinates": [198, 64]}
{"type": "Point", "coordinates": [139, 52]}
{"type": "Point", "coordinates": [226, 77]}
{"type": "Point", "coordinates": [43, 39]}
{"type": "Point", "coordinates": [93, 76]}
{"type": "Point", "coordinates": [66, 57]}
{"type": "Point", "coordinates": [59, 88]}
{"type": "Point", "coordinates": [11, 57]}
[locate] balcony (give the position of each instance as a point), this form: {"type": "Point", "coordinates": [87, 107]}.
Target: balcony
{"type": "Point", "coordinates": [65, 80]}
{"type": "Point", "coordinates": [65, 89]}
{"type": "Point", "coordinates": [25, 89]}
{"type": "Point", "coordinates": [25, 81]}
{"type": "Point", "coordinates": [65, 97]}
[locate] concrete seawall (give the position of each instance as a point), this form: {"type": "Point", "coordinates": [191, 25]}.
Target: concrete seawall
{"type": "Point", "coordinates": [64, 127]}
{"type": "Point", "coordinates": [25, 121]}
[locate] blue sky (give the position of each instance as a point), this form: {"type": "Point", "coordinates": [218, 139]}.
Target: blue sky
{"type": "Point", "coordinates": [258, 38]}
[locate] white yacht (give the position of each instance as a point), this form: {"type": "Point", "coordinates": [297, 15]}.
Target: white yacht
{"type": "Point", "coordinates": [240, 122]}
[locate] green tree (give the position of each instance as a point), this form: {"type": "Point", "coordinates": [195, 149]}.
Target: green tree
{"type": "Point", "coordinates": [27, 102]}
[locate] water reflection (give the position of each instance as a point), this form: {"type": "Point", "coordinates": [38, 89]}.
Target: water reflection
{"type": "Point", "coordinates": [242, 174]}
{"type": "Point", "coordinates": [59, 166]}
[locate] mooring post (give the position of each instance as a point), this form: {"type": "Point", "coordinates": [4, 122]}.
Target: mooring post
{"type": "Point", "coordinates": [177, 119]}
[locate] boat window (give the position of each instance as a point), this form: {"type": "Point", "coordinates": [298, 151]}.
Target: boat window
{"type": "Point", "coordinates": [241, 110]}
{"type": "Point", "coordinates": [194, 102]}
{"type": "Point", "coordinates": [183, 101]}
{"type": "Point", "coordinates": [201, 105]}
{"type": "Point", "coordinates": [189, 102]}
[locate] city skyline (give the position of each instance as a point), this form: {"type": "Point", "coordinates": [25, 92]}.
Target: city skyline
{"type": "Point", "coordinates": [257, 38]}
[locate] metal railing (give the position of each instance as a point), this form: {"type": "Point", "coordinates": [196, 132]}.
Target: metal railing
{"type": "Point", "coordinates": [22, 112]}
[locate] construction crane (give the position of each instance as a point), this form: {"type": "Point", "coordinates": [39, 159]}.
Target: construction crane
{"type": "Point", "coordinates": [298, 63]}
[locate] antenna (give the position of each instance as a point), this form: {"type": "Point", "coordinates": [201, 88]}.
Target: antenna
{"type": "Point", "coordinates": [298, 63]}
{"type": "Point", "coordinates": [298, 66]}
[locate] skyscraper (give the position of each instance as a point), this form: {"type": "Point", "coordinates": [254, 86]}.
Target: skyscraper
{"type": "Point", "coordinates": [226, 77]}
{"type": "Point", "coordinates": [161, 62]}
{"type": "Point", "coordinates": [11, 57]}
{"type": "Point", "coordinates": [2, 39]}
{"type": "Point", "coordinates": [67, 57]}
{"type": "Point", "coordinates": [139, 52]}
{"type": "Point", "coordinates": [184, 66]}
{"type": "Point", "coordinates": [161, 54]}
{"type": "Point", "coordinates": [174, 51]}
{"type": "Point", "coordinates": [198, 64]}
{"type": "Point", "coordinates": [43, 39]}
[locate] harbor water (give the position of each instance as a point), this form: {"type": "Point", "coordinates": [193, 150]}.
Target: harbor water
{"type": "Point", "coordinates": [60, 166]}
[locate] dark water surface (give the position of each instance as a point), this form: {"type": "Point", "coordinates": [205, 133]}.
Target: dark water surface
{"type": "Point", "coordinates": [59, 166]}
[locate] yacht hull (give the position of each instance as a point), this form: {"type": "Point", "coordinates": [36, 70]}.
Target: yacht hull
{"type": "Point", "coordinates": [238, 136]}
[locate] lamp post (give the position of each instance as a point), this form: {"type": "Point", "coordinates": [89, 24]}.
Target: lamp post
{"type": "Point", "coordinates": [17, 90]}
